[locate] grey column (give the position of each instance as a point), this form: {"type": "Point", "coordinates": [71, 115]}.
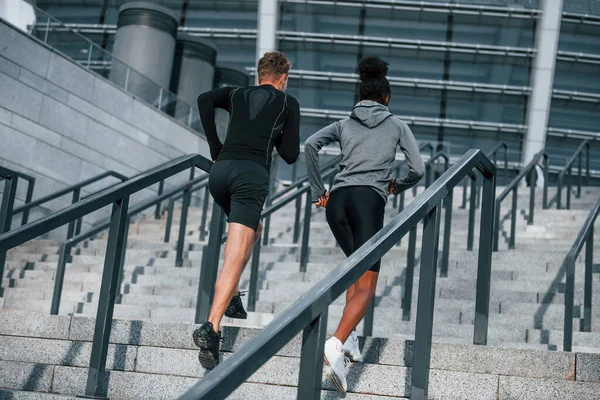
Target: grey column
{"type": "Point", "coordinates": [193, 71]}
{"type": "Point", "coordinates": [227, 76]}
{"type": "Point", "coordinates": [145, 41]}
{"type": "Point", "coordinates": [268, 20]}
{"type": "Point", "coordinates": [542, 77]}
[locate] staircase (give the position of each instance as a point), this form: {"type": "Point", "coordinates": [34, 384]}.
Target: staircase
{"type": "Point", "coordinates": [153, 354]}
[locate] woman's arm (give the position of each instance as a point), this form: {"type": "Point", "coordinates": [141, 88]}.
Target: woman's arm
{"type": "Point", "coordinates": [311, 151]}
{"type": "Point", "coordinates": [416, 167]}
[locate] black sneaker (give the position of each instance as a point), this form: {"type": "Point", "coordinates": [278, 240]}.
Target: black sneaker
{"type": "Point", "coordinates": [235, 309]}
{"type": "Point", "coordinates": [209, 342]}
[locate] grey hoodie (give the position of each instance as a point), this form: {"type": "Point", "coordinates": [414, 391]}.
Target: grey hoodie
{"type": "Point", "coordinates": [368, 142]}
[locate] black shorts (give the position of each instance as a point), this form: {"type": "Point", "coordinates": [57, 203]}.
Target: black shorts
{"type": "Point", "coordinates": [354, 215]}
{"type": "Point", "coordinates": [240, 188]}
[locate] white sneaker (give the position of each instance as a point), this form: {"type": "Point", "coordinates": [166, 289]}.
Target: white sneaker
{"type": "Point", "coordinates": [351, 348]}
{"type": "Point", "coordinates": [335, 364]}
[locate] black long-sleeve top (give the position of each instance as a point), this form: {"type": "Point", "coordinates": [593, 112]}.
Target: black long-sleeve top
{"type": "Point", "coordinates": [260, 118]}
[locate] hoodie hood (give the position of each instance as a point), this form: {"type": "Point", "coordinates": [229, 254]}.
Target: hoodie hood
{"type": "Point", "coordinates": [370, 113]}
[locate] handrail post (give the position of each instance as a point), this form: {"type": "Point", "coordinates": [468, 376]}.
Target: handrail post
{"type": "Point", "coordinates": [587, 292]}
{"type": "Point", "coordinates": [531, 197]}
{"type": "Point", "coordinates": [122, 263]}
{"type": "Point", "coordinates": [425, 305]}
{"type": "Point", "coordinates": [472, 208]}
{"type": "Point", "coordinates": [497, 226]}
{"type": "Point", "coordinates": [297, 218]}
{"type": "Point", "coordinates": [428, 170]}
{"type": "Point", "coordinates": [64, 252]}
{"type": "Point", "coordinates": [395, 198]}
{"type": "Point", "coordinates": [447, 231]}
{"type": "Point", "coordinates": [484, 263]}
{"type": "Point", "coordinates": [546, 173]}
{"type": "Point", "coordinates": [580, 177]}
{"type": "Point", "coordinates": [569, 175]}
{"type": "Point", "coordinates": [169, 221]}
{"type": "Point", "coordinates": [569, 294]}
{"type": "Point", "coordinates": [252, 291]}
{"type": "Point", "coordinates": [272, 181]}
{"type": "Point", "coordinates": [161, 187]}
{"type": "Point", "coordinates": [106, 299]}
{"type": "Point", "coordinates": [71, 228]}
{"type": "Point", "coordinates": [305, 232]}
{"type": "Point", "coordinates": [187, 196]}
{"type": "Point", "coordinates": [6, 209]}
{"type": "Point", "coordinates": [505, 165]}
{"type": "Point", "coordinates": [211, 254]}
{"type": "Point", "coordinates": [204, 214]}
{"type": "Point", "coordinates": [559, 185]}
{"type": "Point", "coordinates": [464, 196]}
{"type": "Point", "coordinates": [311, 358]}
{"type": "Point", "coordinates": [513, 219]}
{"type": "Point", "coordinates": [410, 273]}
{"type": "Point", "coordinates": [28, 198]}
{"type": "Point", "coordinates": [587, 164]}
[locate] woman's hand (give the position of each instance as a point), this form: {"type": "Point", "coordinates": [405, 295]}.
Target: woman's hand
{"type": "Point", "coordinates": [392, 187]}
{"type": "Point", "coordinates": [322, 202]}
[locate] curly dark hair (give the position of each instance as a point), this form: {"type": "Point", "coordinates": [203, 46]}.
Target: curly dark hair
{"type": "Point", "coordinates": [373, 82]}
{"type": "Point", "coordinates": [273, 63]}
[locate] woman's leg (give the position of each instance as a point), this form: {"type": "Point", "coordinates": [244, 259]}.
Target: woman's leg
{"type": "Point", "coordinates": [365, 210]}
{"type": "Point", "coordinates": [356, 307]}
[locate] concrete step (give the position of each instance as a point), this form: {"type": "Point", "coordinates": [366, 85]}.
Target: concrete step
{"type": "Point", "coordinates": [158, 360]}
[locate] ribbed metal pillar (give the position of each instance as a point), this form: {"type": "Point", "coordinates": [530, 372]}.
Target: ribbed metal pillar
{"type": "Point", "coordinates": [145, 41]}
{"type": "Point", "coordinates": [193, 70]}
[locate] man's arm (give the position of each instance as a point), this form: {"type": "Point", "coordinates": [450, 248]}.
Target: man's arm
{"type": "Point", "coordinates": [288, 144]}
{"type": "Point", "coordinates": [311, 151]}
{"type": "Point", "coordinates": [207, 102]}
{"type": "Point", "coordinates": [416, 167]}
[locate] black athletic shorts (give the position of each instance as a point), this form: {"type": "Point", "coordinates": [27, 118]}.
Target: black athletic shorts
{"type": "Point", "coordinates": [240, 188]}
{"type": "Point", "coordinates": [354, 215]}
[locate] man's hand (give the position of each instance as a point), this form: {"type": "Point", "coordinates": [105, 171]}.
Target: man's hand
{"type": "Point", "coordinates": [322, 202]}
{"type": "Point", "coordinates": [392, 187]}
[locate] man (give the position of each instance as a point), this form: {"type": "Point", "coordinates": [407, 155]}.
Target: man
{"type": "Point", "coordinates": [260, 118]}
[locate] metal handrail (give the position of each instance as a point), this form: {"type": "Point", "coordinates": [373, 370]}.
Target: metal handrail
{"type": "Point", "coordinates": [429, 166]}
{"type": "Point", "coordinates": [300, 182]}
{"type": "Point", "coordinates": [66, 246]}
{"type": "Point", "coordinates": [578, 154]}
{"type": "Point", "coordinates": [6, 206]}
{"type": "Point", "coordinates": [513, 186]}
{"type": "Point", "coordinates": [207, 280]}
{"type": "Point", "coordinates": [118, 196]}
{"type": "Point", "coordinates": [585, 236]}
{"type": "Point", "coordinates": [309, 313]}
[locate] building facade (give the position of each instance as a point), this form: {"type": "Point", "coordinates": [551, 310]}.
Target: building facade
{"type": "Point", "coordinates": [464, 74]}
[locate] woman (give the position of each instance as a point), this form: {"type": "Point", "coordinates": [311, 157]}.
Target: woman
{"type": "Point", "coordinates": [356, 205]}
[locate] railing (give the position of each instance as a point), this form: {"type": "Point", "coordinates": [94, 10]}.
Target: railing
{"type": "Point", "coordinates": [65, 248]}
{"type": "Point", "coordinates": [118, 196]}
{"type": "Point", "coordinates": [492, 154]}
{"type": "Point", "coordinates": [566, 171]}
{"type": "Point", "coordinates": [513, 187]}
{"type": "Point", "coordinates": [157, 96]}
{"type": "Point", "coordinates": [212, 250]}
{"type": "Point", "coordinates": [74, 227]}
{"type": "Point", "coordinates": [6, 207]}
{"type": "Point", "coordinates": [585, 236]}
{"type": "Point", "coordinates": [309, 313]}
{"type": "Point", "coordinates": [171, 208]}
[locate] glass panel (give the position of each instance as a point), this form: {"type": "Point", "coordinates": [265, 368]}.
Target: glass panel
{"type": "Point", "coordinates": [410, 63]}
{"type": "Point", "coordinates": [320, 19]}
{"type": "Point", "coordinates": [582, 38]}
{"type": "Point", "coordinates": [560, 150]}
{"type": "Point", "coordinates": [578, 115]}
{"type": "Point", "coordinates": [421, 102]}
{"type": "Point", "coordinates": [221, 14]}
{"type": "Point", "coordinates": [577, 76]}
{"type": "Point", "coordinates": [582, 6]}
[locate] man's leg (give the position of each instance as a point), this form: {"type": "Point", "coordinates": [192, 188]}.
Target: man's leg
{"type": "Point", "coordinates": [257, 235]}
{"type": "Point", "coordinates": [240, 239]}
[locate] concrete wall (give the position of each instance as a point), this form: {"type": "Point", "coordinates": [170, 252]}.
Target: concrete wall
{"type": "Point", "coordinates": [62, 123]}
